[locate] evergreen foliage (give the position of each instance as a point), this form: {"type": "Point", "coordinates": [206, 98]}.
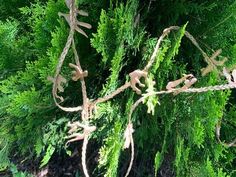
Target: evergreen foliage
{"type": "Point", "coordinates": [175, 134]}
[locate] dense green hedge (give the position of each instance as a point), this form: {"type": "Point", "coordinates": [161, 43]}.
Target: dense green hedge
{"type": "Point", "coordinates": [177, 139]}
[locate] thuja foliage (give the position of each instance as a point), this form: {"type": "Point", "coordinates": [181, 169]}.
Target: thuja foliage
{"type": "Point", "coordinates": [174, 134]}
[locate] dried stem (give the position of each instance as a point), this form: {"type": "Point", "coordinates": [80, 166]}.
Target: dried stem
{"type": "Point", "coordinates": [210, 61]}
{"type": "Point", "coordinates": [179, 90]}
{"type": "Point", "coordinates": [189, 90]}
{"type": "Point", "coordinates": [87, 107]}
{"type": "Point", "coordinates": [83, 85]}
{"type": "Point", "coordinates": [132, 156]}
{"type": "Point", "coordinates": [70, 42]}
{"type": "Point", "coordinates": [84, 148]}
{"type": "Point", "coordinates": [113, 94]}
{"type": "Point", "coordinates": [231, 144]}
{"type": "Point", "coordinates": [156, 50]}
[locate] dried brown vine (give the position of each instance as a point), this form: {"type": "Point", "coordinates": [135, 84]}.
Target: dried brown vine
{"type": "Point", "coordinates": [88, 106]}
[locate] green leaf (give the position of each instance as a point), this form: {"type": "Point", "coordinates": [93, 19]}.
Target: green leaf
{"type": "Point", "coordinates": [48, 155]}
{"type": "Point", "coordinates": [158, 162]}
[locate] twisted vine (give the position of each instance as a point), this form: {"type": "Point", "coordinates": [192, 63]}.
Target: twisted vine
{"type": "Point", "coordinates": [87, 107]}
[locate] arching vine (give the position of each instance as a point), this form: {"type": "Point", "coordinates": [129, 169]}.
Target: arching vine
{"type": "Point", "coordinates": [88, 106]}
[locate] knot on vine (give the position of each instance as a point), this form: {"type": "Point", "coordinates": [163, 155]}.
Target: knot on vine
{"type": "Point", "coordinates": [78, 73]}
{"type": "Point", "coordinates": [188, 81]}
{"type": "Point", "coordinates": [80, 12]}
{"type": "Point", "coordinates": [74, 135]}
{"type": "Point", "coordinates": [135, 79]}
{"type": "Point", "coordinates": [76, 24]}
{"type": "Point", "coordinates": [212, 62]}
{"type": "Point", "coordinates": [72, 21]}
